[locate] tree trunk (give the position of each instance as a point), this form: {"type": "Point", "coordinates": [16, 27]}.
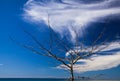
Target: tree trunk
{"type": "Point", "coordinates": [72, 74]}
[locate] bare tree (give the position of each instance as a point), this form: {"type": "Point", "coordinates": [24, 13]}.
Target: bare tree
{"type": "Point", "coordinates": [72, 53]}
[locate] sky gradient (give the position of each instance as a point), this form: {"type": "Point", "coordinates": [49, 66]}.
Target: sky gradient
{"type": "Point", "coordinates": [15, 61]}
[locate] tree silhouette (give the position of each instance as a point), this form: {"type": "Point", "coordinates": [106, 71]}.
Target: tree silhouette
{"type": "Point", "coordinates": [64, 52]}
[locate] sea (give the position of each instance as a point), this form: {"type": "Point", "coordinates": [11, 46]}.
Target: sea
{"type": "Point", "coordinates": [36, 79]}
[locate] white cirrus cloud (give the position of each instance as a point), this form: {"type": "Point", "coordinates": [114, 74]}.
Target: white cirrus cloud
{"type": "Point", "coordinates": [64, 13]}
{"type": "Point", "coordinates": [107, 60]}
{"type": "Point", "coordinates": [99, 63]}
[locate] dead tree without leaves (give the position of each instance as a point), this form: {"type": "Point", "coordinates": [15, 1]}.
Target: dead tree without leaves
{"type": "Point", "coordinates": [75, 52]}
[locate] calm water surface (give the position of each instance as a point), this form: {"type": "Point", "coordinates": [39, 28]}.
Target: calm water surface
{"type": "Point", "coordinates": [17, 79]}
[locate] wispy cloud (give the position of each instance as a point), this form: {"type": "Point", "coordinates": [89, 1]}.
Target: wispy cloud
{"type": "Point", "coordinates": [99, 63]}
{"type": "Point", "coordinates": [107, 60]}
{"type": "Point", "coordinates": [64, 13]}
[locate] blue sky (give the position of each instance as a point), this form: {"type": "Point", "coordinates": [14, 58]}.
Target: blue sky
{"type": "Point", "coordinates": [16, 61]}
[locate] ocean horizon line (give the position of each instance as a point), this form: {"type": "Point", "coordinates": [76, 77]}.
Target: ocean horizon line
{"type": "Point", "coordinates": [52, 78]}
